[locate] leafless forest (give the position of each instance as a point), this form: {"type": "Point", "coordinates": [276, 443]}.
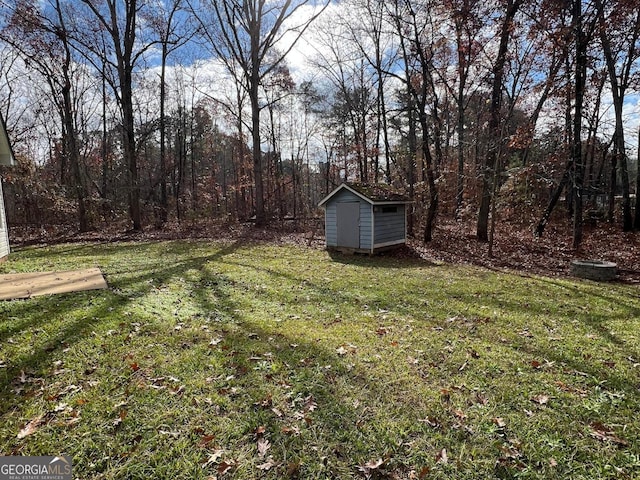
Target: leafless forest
{"type": "Point", "coordinates": [498, 113]}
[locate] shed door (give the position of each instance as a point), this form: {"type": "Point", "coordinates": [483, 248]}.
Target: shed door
{"type": "Point", "coordinates": [348, 224]}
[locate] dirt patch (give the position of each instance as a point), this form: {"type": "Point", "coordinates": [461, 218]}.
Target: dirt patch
{"type": "Point", "coordinates": [27, 285]}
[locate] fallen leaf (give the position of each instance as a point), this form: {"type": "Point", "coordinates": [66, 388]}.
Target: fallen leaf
{"type": "Point", "coordinates": [31, 427]}
{"type": "Point", "coordinates": [540, 399]}
{"type": "Point", "coordinates": [268, 465]}
{"type": "Point", "coordinates": [431, 421]}
{"type": "Point", "coordinates": [604, 434]}
{"type": "Point", "coordinates": [441, 456]}
{"type": "Point", "coordinates": [225, 466]}
{"type": "Point", "coordinates": [293, 430]}
{"type": "Point", "coordinates": [499, 422]}
{"type": "Point", "coordinates": [346, 348]}
{"type": "Point", "coordinates": [206, 440]}
{"type": "Point", "coordinates": [263, 446]}
{"type": "Point", "coordinates": [310, 404]}
{"type": "Point", "coordinates": [61, 407]}
{"type": "Point", "coordinates": [571, 389]}
{"type": "Point", "coordinates": [213, 457]}
{"type": "Point", "coordinates": [370, 466]}
{"type": "Point", "coordinates": [460, 414]}
{"type": "Point", "coordinates": [177, 390]}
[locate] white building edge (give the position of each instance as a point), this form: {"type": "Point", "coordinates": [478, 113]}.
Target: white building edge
{"type": "Point", "coordinates": [6, 158]}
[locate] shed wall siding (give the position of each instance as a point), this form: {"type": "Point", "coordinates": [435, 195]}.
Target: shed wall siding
{"type": "Point", "coordinates": [331, 221]}
{"type": "Point", "coordinates": [4, 233]}
{"type": "Point", "coordinates": [390, 227]}
{"type": "Point", "coordinates": [366, 223]}
{"type": "Point", "coordinates": [331, 225]}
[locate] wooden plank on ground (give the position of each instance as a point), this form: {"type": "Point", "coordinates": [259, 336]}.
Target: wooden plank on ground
{"type": "Point", "coordinates": [27, 285]}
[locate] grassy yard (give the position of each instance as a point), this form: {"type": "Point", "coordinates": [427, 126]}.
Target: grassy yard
{"type": "Point", "coordinates": [241, 361]}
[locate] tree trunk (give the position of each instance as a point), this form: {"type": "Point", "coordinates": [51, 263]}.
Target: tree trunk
{"type": "Point", "coordinates": [488, 171]}
{"type": "Point", "coordinates": [71, 136]}
{"type": "Point", "coordinates": [618, 87]}
{"type": "Point", "coordinates": [636, 220]}
{"type": "Point", "coordinates": [461, 138]}
{"type": "Point", "coordinates": [411, 161]}
{"type": "Point", "coordinates": [432, 208]}
{"type": "Point", "coordinates": [576, 146]}
{"type": "Point", "coordinates": [257, 160]}
{"type": "Point", "coordinates": [164, 201]}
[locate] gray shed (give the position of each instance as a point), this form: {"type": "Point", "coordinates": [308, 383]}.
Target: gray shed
{"type": "Point", "coordinates": [6, 158]}
{"type": "Point", "coordinates": [365, 218]}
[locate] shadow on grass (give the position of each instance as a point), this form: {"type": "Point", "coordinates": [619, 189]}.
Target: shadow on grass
{"type": "Point", "coordinates": [400, 258]}
{"type": "Point", "coordinates": [336, 435]}
{"type": "Point", "coordinates": [78, 316]}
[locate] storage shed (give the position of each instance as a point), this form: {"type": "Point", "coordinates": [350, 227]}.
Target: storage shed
{"type": "Point", "coordinates": [365, 218]}
{"type": "Point", "coordinates": [6, 158]}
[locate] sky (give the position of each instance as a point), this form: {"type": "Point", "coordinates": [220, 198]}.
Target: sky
{"type": "Point", "coordinates": [207, 75]}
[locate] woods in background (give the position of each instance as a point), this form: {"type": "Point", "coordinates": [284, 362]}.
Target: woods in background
{"type": "Point", "coordinates": [159, 110]}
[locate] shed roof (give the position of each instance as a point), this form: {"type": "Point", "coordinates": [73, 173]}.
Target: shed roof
{"type": "Point", "coordinates": [6, 154]}
{"type": "Point", "coordinates": [373, 193]}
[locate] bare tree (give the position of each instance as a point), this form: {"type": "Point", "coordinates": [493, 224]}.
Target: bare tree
{"type": "Point", "coordinates": [118, 26]}
{"type": "Point", "coordinates": [256, 36]}
{"type": "Point", "coordinates": [173, 29]}
{"type": "Point", "coordinates": [495, 138]}
{"type": "Point", "coordinates": [415, 27]}
{"type": "Point", "coordinates": [619, 31]}
{"type": "Point", "coordinates": [41, 36]}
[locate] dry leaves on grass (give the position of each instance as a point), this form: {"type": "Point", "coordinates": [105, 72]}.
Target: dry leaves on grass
{"type": "Point", "coordinates": [605, 434]}
{"type": "Point", "coordinates": [268, 465]}
{"type": "Point", "coordinates": [442, 457]}
{"type": "Point", "coordinates": [263, 446]}
{"type": "Point", "coordinates": [346, 348]}
{"type": "Point", "coordinates": [31, 427]}
{"type": "Point", "coordinates": [371, 466]}
{"type": "Point", "coordinates": [540, 399]}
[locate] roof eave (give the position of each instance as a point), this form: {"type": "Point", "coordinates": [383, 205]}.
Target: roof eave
{"type": "Point", "coordinates": [362, 196]}
{"type": "Point", "coordinates": [340, 187]}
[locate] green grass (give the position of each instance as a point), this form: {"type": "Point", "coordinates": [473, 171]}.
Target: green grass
{"type": "Point", "coordinates": [200, 353]}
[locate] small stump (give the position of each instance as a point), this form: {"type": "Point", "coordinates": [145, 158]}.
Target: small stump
{"type": "Point", "coordinates": [594, 270]}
